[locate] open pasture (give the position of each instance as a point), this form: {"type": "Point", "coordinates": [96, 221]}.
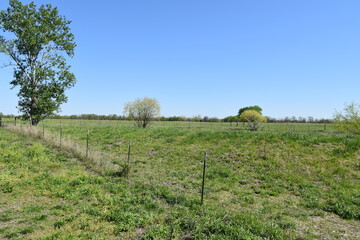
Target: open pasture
{"type": "Point", "coordinates": [266, 127]}
{"type": "Point", "coordinates": [287, 184]}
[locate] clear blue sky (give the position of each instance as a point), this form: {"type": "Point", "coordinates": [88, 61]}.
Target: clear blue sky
{"type": "Point", "coordinates": [292, 58]}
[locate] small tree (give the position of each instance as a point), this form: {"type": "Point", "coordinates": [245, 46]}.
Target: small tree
{"type": "Point", "coordinates": [142, 111]}
{"type": "Point", "coordinates": [255, 108]}
{"type": "Point", "coordinates": [349, 120]}
{"type": "Point", "coordinates": [42, 37]}
{"type": "Point", "coordinates": [253, 118]}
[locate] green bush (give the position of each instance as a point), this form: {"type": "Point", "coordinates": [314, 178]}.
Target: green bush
{"type": "Point", "coordinates": [349, 120]}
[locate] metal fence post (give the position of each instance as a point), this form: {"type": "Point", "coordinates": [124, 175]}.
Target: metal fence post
{"type": "Point", "coordinates": [60, 134]}
{"type": "Point", "coordinates": [87, 144]}
{"type": "Point", "coordinates": [203, 180]}
{"type": "Point", "coordinates": [128, 163]}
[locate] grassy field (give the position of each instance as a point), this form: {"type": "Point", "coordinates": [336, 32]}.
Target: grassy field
{"type": "Point", "coordinates": [266, 127]}
{"type": "Point", "coordinates": [289, 182]}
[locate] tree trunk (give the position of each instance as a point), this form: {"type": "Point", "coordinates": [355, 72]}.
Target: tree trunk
{"type": "Point", "coordinates": [34, 121]}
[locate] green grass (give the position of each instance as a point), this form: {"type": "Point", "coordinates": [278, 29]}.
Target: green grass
{"type": "Point", "coordinates": [265, 127]}
{"type": "Point", "coordinates": [271, 185]}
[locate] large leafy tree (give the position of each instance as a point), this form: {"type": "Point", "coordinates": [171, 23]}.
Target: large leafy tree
{"type": "Point", "coordinates": [42, 41]}
{"type": "Point", "coordinates": [255, 108]}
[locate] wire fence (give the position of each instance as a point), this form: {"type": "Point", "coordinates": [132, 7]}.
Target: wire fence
{"type": "Point", "coordinates": [223, 126]}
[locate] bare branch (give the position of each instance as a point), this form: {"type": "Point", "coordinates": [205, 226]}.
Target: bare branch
{"type": "Point", "coordinates": [7, 65]}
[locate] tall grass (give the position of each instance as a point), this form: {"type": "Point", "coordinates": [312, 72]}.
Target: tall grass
{"type": "Point", "coordinates": [97, 159]}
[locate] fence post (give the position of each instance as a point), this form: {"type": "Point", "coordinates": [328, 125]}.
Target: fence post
{"type": "Point", "coordinates": [43, 130]}
{"type": "Point", "coordinates": [128, 163]}
{"type": "Point", "coordinates": [203, 180]}
{"type": "Point", "coordinates": [324, 126]}
{"type": "Point", "coordinates": [87, 144]}
{"type": "Point", "coordinates": [0, 122]}
{"type": "Point", "coordinates": [60, 134]}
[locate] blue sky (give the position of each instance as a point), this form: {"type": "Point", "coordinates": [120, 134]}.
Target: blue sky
{"type": "Point", "coordinates": [210, 58]}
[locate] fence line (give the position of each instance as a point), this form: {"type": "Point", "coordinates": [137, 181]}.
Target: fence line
{"type": "Point", "coordinates": [100, 159]}
{"type": "Point", "coordinates": [224, 126]}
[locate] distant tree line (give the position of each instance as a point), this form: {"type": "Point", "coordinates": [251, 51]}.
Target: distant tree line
{"type": "Point", "coordinates": [191, 119]}
{"type": "Point", "coordinates": [91, 117]}
{"type": "Point", "coordinates": [299, 120]}
{"type": "Point", "coordinates": [183, 118]}
{"type": "Point", "coordinates": [284, 120]}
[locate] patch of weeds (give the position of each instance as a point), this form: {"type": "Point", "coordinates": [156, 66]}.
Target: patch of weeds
{"type": "Point", "coordinates": [40, 217]}
{"type": "Point", "coordinates": [35, 151]}
{"type": "Point", "coordinates": [244, 181]}
{"type": "Point", "coordinates": [61, 158]}
{"type": "Point", "coordinates": [170, 140]}
{"type": "Point", "coordinates": [120, 228]}
{"type": "Point", "coordinates": [248, 199]}
{"type": "Point", "coordinates": [52, 236]}
{"type": "Point", "coordinates": [60, 223]}
{"type": "Point", "coordinates": [156, 232]}
{"type": "Point", "coordinates": [11, 235]}
{"type": "Point", "coordinates": [127, 220]}
{"type": "Point", "coordinates": [287, 224]}
{"type": "Point", "coordinates": [257, 189]}
{"type": "Point", "coordinates": [33, 208]}
{"type": "Point", "coordinates": [7, 187]}
{"type": "Point", "coordinates": [3, 229]}
{"type": "Point", "coordinates": [218, 172]}
{"type": "Point", "coordinates": [344, 209]}
{"type": "Point", "coordinates": [318, 212]}
{"type": "Point", "coordinates": [187, 223]}
{"type": "Point", "coordinates": [63, 207]}
{"type": "Point", "coordinates": [5, 217]}
{"type": "Point", "coordinates": [122, 172]}
{"type": "Point", "coordinates": [349, 147]}
{"type": "Point", "coordinates": [309, 195]}
{"type": "Point", "coordinates": [27, 230]}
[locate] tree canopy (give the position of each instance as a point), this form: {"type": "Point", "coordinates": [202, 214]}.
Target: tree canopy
{"type": "Point", "coordinates": [142, 111]}
{"type": "Point", "coordinates": [255, 108]}
{"type": "Point", "coordinates": [42, 40]}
